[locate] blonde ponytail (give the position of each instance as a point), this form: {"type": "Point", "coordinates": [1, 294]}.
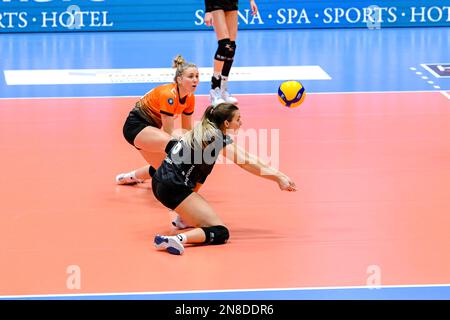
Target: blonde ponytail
{"type": "Point", "coordinates": [177, 61]}
{"type": "Point", "coordinates": [211, 125]}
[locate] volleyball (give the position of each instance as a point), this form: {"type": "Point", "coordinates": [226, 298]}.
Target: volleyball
{"type": "Point", "coordinates": [291, 93]}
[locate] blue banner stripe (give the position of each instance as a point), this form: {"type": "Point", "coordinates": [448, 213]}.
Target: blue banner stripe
{"type": "Point", "coordinates": [139, 15]}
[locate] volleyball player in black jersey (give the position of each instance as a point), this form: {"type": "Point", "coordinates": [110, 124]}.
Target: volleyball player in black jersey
{"type": "Point", "coordinates": [189, 162]}
{"type": "Point", "coordinates": [223, 15]}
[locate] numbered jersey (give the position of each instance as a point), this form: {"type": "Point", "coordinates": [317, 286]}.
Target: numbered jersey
{"type": "Point", "coordinates": [165, 99]}
{"type": "Point", "coordinates": [188, 166]}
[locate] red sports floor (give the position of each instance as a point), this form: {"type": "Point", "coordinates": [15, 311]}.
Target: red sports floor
{"type": "Point", "coordinates": [373, 172]}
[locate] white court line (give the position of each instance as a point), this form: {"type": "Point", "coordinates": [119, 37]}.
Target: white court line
{"type": "Point", "coordinates": [426, 67]}
{"type": "Point", "coordinates": [446, 94]}
{"type": "Point", "coordinates": [156, 75]}
{"type": "Point", "coordinates": [228, 291]}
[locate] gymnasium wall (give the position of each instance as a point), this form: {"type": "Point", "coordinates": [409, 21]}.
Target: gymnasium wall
{"type": "Point", "coordinates": [121, 15]}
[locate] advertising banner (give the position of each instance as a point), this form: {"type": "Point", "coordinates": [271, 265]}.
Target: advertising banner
{"type": "Point", "coordinates": [135, 15]}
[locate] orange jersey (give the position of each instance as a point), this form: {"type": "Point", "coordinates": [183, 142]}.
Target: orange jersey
{"type": "Point", "coordinates": [164, 99]}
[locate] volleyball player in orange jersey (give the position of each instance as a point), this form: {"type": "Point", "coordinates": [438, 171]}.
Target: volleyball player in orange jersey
{"type": "Point", "coordinates": [150, 124]}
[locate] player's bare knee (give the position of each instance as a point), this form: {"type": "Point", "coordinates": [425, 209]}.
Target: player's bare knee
{"type": "Point", "coordinates": [216, 234]}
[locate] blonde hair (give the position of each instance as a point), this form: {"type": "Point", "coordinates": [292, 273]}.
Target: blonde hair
{"type": "Point", "coordinates": [212, 122]}
{"type": "Point", "coordinates": [181, 65]}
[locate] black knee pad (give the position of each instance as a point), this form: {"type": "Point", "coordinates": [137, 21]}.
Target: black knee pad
{"type": "Point", "coordinates": [216, 234]}
{"type": "Point", "coordinates": [225, 50]}
{"type": "Point", "coordinates": [233, 47]}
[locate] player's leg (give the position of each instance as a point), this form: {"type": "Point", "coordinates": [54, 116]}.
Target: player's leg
{"type": "Point", "coordinates": [223, 38]}
{"type": "Point", "coordinates": [177, 222]}
{"type": "Point", "coordinates": [148, 141]}
{"type": "Point", "coordinates": [231, 20]}
{"type": "Point", "coordinates": [210, 229]}
{"type": "Point", "coordinates": [143, 173]}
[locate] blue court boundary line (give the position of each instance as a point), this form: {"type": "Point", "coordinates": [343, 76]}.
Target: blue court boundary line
{"type": "Point", "coordinates": [405, 292]}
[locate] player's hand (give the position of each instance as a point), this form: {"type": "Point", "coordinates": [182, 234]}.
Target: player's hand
{"type": "Point", "coordinates": [254, 7]}
{"type": "Point", "coordinates": [285, 183]}
{"type": "Point", "coordinates": [208, 19]}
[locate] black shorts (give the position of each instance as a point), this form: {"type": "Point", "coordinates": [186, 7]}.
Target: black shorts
{"type": "Point", "coordinates": [134, 124]}
{"type": "Point", "coordinates": [225, 5]}
{"type": "Point", "coordinates": [170, 195]}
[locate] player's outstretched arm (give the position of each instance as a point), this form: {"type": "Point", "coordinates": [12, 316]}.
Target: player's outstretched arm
{"type": "Point", "coordinates": [254, 165]}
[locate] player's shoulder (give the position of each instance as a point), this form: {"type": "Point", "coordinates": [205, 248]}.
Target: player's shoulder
{"type": "Point", "coordinates": [191, 97]}
{"type": "Point", "coordinates": [168, 90]}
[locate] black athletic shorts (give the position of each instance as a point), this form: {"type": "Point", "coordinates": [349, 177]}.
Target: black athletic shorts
{"type": "Point", "coordinates": [170, 195]}
{"type": "Point", "coordinates": [135, 122]}
{"type": "Point", "coordinates": [225, 5]}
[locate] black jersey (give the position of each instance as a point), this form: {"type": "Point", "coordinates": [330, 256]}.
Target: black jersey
{"type": "Point", "coordinates": [187, 166]}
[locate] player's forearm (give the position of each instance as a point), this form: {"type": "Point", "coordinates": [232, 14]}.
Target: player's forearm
{"type": "Point", "coordinates": [258, 168]}
{"type": "Point", "coordinates": [186, 124]}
